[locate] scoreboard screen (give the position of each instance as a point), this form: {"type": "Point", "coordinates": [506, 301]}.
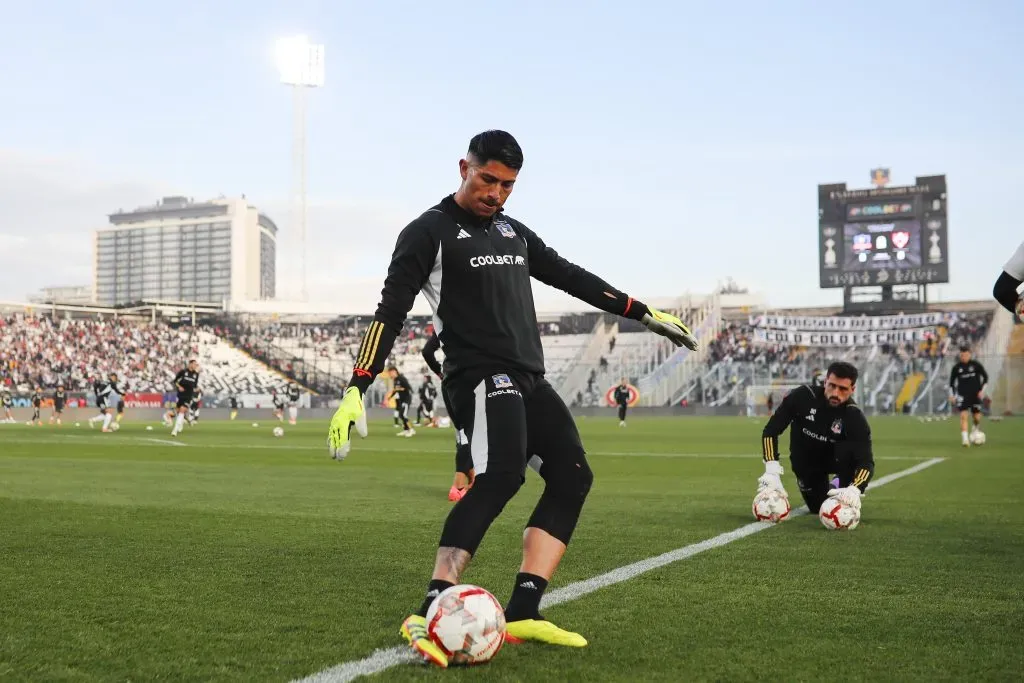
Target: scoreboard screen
{"type": "Point", "coordinates": [879, 246]}
{"type": "Point", "coordinates": [883, 236]}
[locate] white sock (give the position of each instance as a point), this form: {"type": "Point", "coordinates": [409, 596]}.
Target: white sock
{"type": "Point", "coordinates": [963, 435]}
{"type": "Point", "coordinates": [292, 413]}
{"type": "Point", "coordinates": [96, 418]}
{"type": "Point", "coordinates": [179, 424]}
{"type": "Point", "coordinates": [106, 420]}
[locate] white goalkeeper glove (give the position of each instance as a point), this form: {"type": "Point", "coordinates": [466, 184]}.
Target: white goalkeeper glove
{"type": "Point", "coordinates": [847, 496]}
{"type": "Point", "coordinates": [772, 477]}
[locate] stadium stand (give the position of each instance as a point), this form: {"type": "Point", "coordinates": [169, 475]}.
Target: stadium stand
{"type": "Point", "coordinates": [586, 354]}
{"type": "Point", "coordinates": [894, 378]}
{"type": "Point", "coordinates": [321, 356]}
{"type": "Point", "coordinates": [41, 351]}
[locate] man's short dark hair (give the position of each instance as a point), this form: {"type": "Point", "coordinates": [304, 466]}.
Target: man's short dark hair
{"type": "Point", "coordinates": [496, 145]}
{"type": "Point", "coordinates": [965, 347]}
{"type": "Point", "coordinates": [843, 370]}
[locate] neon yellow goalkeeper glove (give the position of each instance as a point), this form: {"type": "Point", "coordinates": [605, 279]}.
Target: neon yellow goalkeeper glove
{"type": "Point", "coordinates": [670, 327]}
{"type": "Point", "coordinates": [350, 413]}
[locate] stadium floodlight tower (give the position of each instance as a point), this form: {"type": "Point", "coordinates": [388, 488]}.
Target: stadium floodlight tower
{"type": "Point", "coordinates": [301, 66]}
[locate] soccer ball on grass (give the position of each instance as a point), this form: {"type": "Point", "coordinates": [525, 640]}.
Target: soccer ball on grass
{"type": "Point", "coordinates": [468, 623]}
{"type": "Point", "coordinates": [278, 431]}
{"type": "Point", "coordinates": [978, 438]}
{"type": "Point", "coordinates": [838, 517]}
{"type": "Point", "coordinates": [770, 506]}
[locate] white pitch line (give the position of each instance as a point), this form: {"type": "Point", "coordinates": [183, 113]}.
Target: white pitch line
{"type": "Point", "coordinates": [377, 449]}
{"type": "Point", "coordinates": [165, 442]}
{"type": "Point", "coordinates": [386, 658]}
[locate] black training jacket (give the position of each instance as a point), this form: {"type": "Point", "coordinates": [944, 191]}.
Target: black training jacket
{"type": "Point", "coordinates": [475, 273]}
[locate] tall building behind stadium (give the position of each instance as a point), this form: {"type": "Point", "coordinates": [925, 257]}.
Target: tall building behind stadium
{"type": "Point", "coordinates": [217, 251]}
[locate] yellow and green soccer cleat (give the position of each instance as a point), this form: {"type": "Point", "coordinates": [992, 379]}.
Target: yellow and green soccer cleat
{"type": "Point", "coordinates": [414, 630]}
{"type": "Point", "coordinates": [540, 631]}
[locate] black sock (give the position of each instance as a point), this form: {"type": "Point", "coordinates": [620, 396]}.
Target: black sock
{"type": "Point", "coordinates": [434, 588]}
{"type": "Point", "coordinates": [525, 600]}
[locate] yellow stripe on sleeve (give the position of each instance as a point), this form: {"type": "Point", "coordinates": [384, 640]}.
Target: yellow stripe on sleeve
{"type": "Point", "coordinates": [369, 347]}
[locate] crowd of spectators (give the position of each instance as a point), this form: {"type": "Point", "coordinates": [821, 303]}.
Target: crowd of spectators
{"type": "Point", "coordinates": [44, 352]}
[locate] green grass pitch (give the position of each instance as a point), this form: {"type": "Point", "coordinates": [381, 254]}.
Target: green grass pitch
{"type": "Point", "coordinates": [241, 557]}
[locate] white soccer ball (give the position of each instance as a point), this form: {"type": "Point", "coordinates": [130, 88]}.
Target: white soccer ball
{"type": "Point", "coordinates": [278, 431]}
{"type": "Point", "coordinates": [114, 426]}
{"type": "Point", "coordinates": [468, 623]}
{"type": "Point", "coordinates": [770, 506]}
{"type": "Point", "coordinates": [838, 517]}
{"type": "Point", "coordinates": [255, 424]}
{"type": "Point", "coordinates": [149, 428]}
{"type": "Point", "coordinates": [978, 438]}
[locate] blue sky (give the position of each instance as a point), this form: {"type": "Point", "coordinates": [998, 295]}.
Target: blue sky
{"type": "Point", "coordinates": [668, 145]}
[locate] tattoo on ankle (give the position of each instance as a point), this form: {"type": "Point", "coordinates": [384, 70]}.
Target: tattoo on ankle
{"type": "Point", "coordinates": [452, 561]}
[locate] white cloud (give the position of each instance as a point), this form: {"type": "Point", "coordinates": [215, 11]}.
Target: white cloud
{"type": "Point", "coordinates": [49, 209]}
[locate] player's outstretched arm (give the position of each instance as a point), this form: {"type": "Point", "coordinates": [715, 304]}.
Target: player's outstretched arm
{"type": "Point", "coordinates": [777, 424]}
{"type": "Point", "coordinates": [1005, 289]}
{"type": "Point", "coordinates": [411, 263]}
{"type": "Point", "coordinates": [1005, 292]}
{"type": "Point", "coordinates": [552, 269]}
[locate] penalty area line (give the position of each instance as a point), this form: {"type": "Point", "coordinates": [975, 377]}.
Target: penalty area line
{"type": "Point", "coordinates": [385, 658]}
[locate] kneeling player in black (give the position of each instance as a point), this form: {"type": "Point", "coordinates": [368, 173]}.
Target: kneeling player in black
{"type": "Point", "coordinates": [425, 410]}
{"type": "Point", "coordinates": [967, 383]}
{"type": "Point", "coordinates": [60, 398]}
{"type": "Point", "coordinates": [186, 382]}
{"type": "Point", "coordinates": [622, 400]}
{"type": "Point", "coordinates": [829, 436]}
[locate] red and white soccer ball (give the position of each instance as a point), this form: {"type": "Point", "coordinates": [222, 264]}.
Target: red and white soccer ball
{"type": "Point", "coordinates": [836, 516]}
{"type": "Point", "coordinates": [771, 506]}
{"type": "Point", "coordinates": [468, 623]}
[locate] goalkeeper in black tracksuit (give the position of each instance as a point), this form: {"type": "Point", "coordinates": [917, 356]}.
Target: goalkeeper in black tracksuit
{"type": "Point", "coordinates": [474, 264]}
{"type": "Point", "coordinates": [829, 437]}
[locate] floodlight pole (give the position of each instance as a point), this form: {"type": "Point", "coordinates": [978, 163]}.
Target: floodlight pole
{"type": "Point", "coordinates": [301, 66]}
{"type": "Point", "coordinates": [299, 201]}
